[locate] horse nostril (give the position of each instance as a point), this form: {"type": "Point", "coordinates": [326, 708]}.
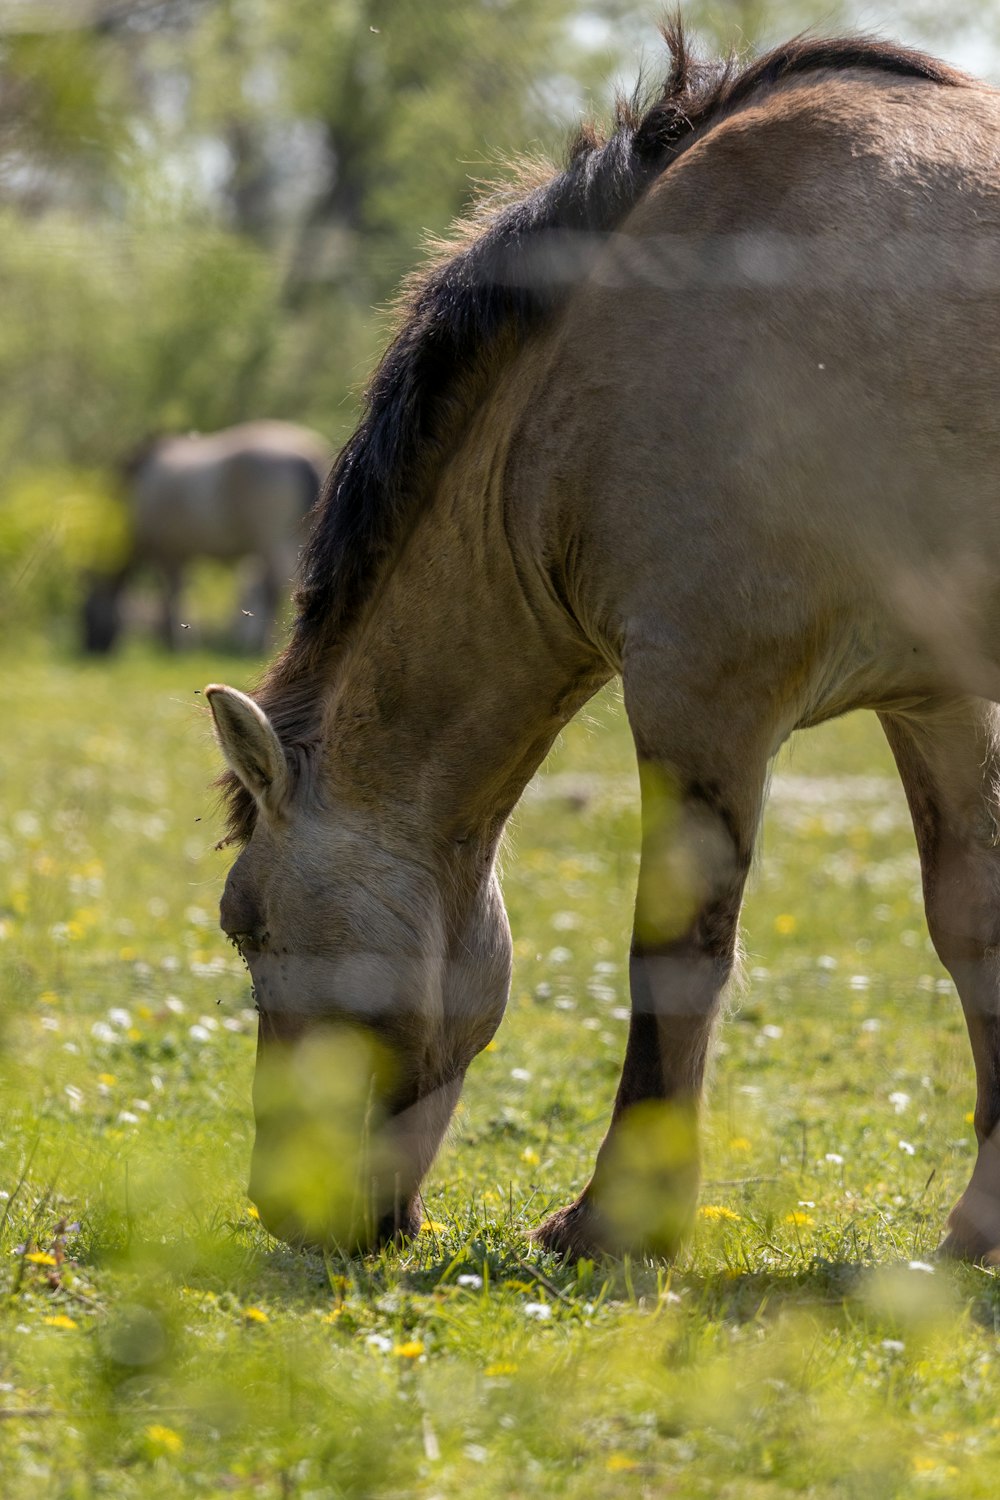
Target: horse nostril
{"type": "Point", "coordinates": [247, 942]}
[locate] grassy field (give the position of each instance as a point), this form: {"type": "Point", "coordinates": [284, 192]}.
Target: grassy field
{"type": "Point", "coordinates": [155, 1342]}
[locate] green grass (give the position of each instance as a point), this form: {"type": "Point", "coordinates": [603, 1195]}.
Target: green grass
{"type": "Point", "coordinates": [155, 1342]}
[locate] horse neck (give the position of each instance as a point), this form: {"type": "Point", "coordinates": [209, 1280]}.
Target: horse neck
{"type": "Point", "coordinates": [467, 666]}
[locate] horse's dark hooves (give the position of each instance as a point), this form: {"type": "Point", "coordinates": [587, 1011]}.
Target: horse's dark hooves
{"type": "Point", "coordinates": [973, 1249]}
{"type": "Point", "coordinates": [572, 1232]}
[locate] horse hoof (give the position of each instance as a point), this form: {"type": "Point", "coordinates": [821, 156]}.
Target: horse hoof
{"type": "Point", "coordinates": [973, 1229]}
{"type": "Point", "coordinates": [572, 1233]}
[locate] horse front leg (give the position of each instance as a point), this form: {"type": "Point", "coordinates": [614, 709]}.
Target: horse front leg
{"type": "Point", "coordinates": [698, 836]}
{"type": "Point", "coordinates": [948, 757]}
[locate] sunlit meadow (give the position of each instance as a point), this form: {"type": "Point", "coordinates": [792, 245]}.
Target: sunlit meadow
{"type": "Point", "coordinates": [155, 1342]}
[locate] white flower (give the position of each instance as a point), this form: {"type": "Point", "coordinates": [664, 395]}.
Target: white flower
{"type": "Point", "coordinates": [120, 1018]}
{"type": "Point", "coordinates": [910, 1150]}
{"type": "Point", "coordinates": [893, 1346]}
{"type": "Point", "coordinates": [860, 981]}
{"type": "Point", "coordinates": [470, 1279]}
{"type": "Point", "coordinates": [835, 1158]}
{"type": "Point", "coordinates": [899, 1101]}
{"type": "Point", "coordinates": [199, 1034]}
{"type": "Point", "coordinates": [773, 1032]}
{"type": "Point", "coordinates": [539, 1310]}
{"type": "Point", "coordinates": [920, 1265]}
{"type": "Point", "coordinates": [126, 1117]}
{"type": "Point", "coordinates": [521, 1074]}
{"type": "Point", "coordinates": [102, 1032]}
{"type": "Point", "coordinates": [380, 1342]}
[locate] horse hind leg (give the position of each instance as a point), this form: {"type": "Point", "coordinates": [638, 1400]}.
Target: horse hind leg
{"type": "Point", "coordinates": [949, 761]}
{"type": "Point", "coordinates": [701, 809]}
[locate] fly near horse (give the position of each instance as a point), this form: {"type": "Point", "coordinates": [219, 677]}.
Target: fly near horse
{"type": "Point", "coordinates": [717, 408]}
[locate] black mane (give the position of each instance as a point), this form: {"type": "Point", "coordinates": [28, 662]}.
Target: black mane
{"type": "Point", "coordinates": [506, 272]}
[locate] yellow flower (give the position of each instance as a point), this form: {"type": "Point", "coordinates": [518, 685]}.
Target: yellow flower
{"type": "Point", "coordinates": [41, 1258]}
{"type": "Point", "coordinates": [127, 955]}
{"type": "Point", "coordinates": [490, 1047]}
{"type": "Point", "coordinates": [739, 1143]}
{"type": "Point", "coordinates": [923, 1463]}
{"type": "Point", "coordinates": [717, 1211]}
{"type": "Point", "coordinates": [501, 1367]}
{"type": "Point", "coordinates": [332, 1315]}
{"type": "Point", "coordinates": [618, 1463]}
{"type": "Point", "coordinates": [60, 1320]}
{"type": "Point", "coordinates": [48, 997]}
{"type": "Point", "coordinates": [803, 1220]}
{"type": "Point", "coordinates": [785, 924]}
{"type": "Point", "coordinates": [253, 1212]}
{"type": "Point", "coordinates": [431, 1226]}
{"type": "Point", "coordinates": [531, 1156]}
{"type": "Point", "coordinates": [970, 1118]}
{"type": "Point", "coordinates": [255, 1315]}
{"type": "Point", "coordinates": [108, 1079]}
{"type": "Point", "coordinates": [164, 1439]}
{"type": "Point", "coordinates": [412, 1349]}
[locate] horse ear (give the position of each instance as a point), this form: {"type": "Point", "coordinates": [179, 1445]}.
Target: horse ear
{"type": "Point", "coordinates": [248, 740]}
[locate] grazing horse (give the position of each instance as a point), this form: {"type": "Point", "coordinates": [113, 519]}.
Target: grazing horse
{"type": "Point", "coordinates": [242, 492]}
{"type": "Point", "coordinates": [717, 408]}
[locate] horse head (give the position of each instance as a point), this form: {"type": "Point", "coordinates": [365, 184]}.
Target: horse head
{"type": "Point", "coordinates": [380, 967]}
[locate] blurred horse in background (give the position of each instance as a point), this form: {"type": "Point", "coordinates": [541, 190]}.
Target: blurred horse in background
{"type": "Point", "coordinates": [240, 493]}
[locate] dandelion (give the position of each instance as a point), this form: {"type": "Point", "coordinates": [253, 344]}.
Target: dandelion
{"type": "Point", "coordinates": [799, 1219]}
{"type": "Point", "coordinates": [60, 1320]}
{"type": "Point", "coordinates": [739, 1143]}
{"type": "Point", "coordinates": [163, 1439]}
{"type": "Point", "coordinates": [785, 924]}
{"type": "Point", "coordinates": [253, 1212]}
{"type": "Point", "coordinates": [411, 1349]}
{"type": "Point", "coordinates": [41, 1258]}
{"type": "Point", "coordinates": [716, 1211]}
{"type": "Point", "coordinates": [620, 1463]}
{"type": "Point", "coordinates": [107, 1080]}
{"type": "Point", "coordinates": [970, 1118]}
{"type": "Point", "coordinates": [255, 1315]}
{"type": "Point", "coordinates": [432, 1226]}
{"type": "Point", "coordinates": [531, 1156]}
{"type": "Point", "coordinates": [501, 1367]}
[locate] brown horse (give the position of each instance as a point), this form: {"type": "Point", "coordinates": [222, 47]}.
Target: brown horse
{"type": "Point", "coordinates": [243, 492]}
{"type": "Point", "coordinates": [717, 407]}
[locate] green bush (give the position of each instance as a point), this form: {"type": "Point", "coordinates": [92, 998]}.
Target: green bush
{"type": "Point", "coordinates": [55, 527]}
